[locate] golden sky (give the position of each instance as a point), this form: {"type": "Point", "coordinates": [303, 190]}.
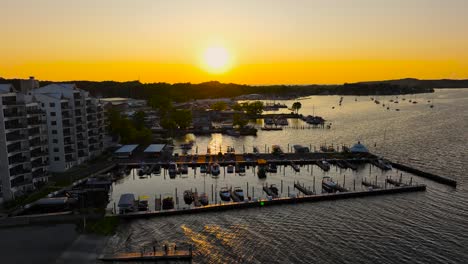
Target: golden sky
{"type": "Point", "coordinates": [267, 41]}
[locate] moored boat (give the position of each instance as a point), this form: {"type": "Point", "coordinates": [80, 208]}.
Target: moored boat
{"type": "Point", "coordinates": [168, 203]}
{"type": "Point", "coordinates": [328, 184]}
{"type": "Point", "coordinates": [230, 169]}
{"type": "Point", "coordinates": [188, 197]}
{"type": "Point", "coordinates": [239, 193]}
{"type": "Point", "coordinates": [225, 194]}
{"type": "Point", "coordinates": [143, 203]}
{"type": "Point", "coordinates": [172, 170]}
{"type": "Point", "coordinates": [214, 169]}
{"type": "Point", "coordinates": [203, 168]}
{"type": "Point", "coordinates": [203, 199]}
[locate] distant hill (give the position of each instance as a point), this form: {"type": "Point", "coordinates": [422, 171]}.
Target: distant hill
{"type": "Point", "coordinates": [412, 82]}
{"type": "Point", "coordinates": [180, 92]}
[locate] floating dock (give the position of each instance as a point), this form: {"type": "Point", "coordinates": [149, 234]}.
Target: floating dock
{"type": "Point", "coordinates": [302, 189]}
{"type": "Point", "coordinates": [262, 203]}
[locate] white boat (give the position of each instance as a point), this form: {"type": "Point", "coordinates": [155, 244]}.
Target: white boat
{"type": "Point", "coordinates": [230, 169]}
{"type": "Point", "coordinates": [214, 169]}
{"type": "Point", "coordinates": [172, 169]}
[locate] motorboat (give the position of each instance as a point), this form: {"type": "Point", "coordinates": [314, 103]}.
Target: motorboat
{"type": "Point", "coordinates": [143, 203]}
{"type": "Point", "coordinates": [272, 168]}
{"type": "Point", "coordinates": [183, 169]}
{"type": "Point", "coordinates": [157, 169]}
{"type": "Point", "coordinates": [239, 193]}
{"type": "Point", "coordinates": [230, 169]}
{"type": "Point", "coordinates": [261, 172]}
{"type": "Point", "coordinates": [328, 184]}
{"type": "Point", "coordinates": [188, 197]}
{"type": "Point", "coordinates": [203, 199]}
{"type": "Point", "coordinates": [168, 203]}
{"type": "Point", "coordinates": [203, 168]}
{"type": "Point", "coordinates": [240, 169]}
{"type": "Point", "coordinates": [172, 170]}
{"type": "Point", "coordinates": [214, 169]}
{"type": "Point", "coordinates": [274, 189]}
{"type": "Point", "coordinates": [127, 203]}
{"type": "Point", "coordinates": [225, 194]}
{"type": "Point", "coordinates": [324, 165]}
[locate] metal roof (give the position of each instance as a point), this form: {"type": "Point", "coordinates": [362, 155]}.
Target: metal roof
{"type": "Point", "coordinates": [155, 148]}
{"type": "Point", "coordinates": [126, 149]}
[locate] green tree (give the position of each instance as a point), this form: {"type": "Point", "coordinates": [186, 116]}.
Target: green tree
{"type": "Point", "coordinates": [219, 106]}
{"type": "Point", "coordinates": [296, 106]}
{"type": "Point", "coordinates": [183, 118]}
{"type": "Point", "coordinates": [254, 108]}
{"type": "Point", "coordinates": [239, 120]}
{"type": "Point", "coordinates": [237, 107]}
{"type": "Point", "coordinates": [139, 120]}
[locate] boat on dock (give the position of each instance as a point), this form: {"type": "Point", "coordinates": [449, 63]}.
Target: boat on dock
{"type": "Point", "coordinates": [225, 194]}
{"type": "Point", "coordinates": [328, 184]}
{"type": "Point", "coordinates": [271, 191]}
{"type": "Point", "coordinates": [301, 149]}
{"type": "Point", "coordinates": [143, 203]}
{"type": "Point", "coordinates": [261, 171]}
{"type": "Point", "coordinates": [127, 203]}
{"type": "Point", "coordinates": [168, 203]}
{"type": "Point", "coordinates": [265, 128]}
{"type": "Point", "coordinates": [269, 121]}
{"type": "Point", "coordinates": [230, 168]}
{"type": "Point", "coordinates": [240, 169]}
{"type": "Point", "coordinates": [203, 199]}
{"type": "Point", "coordinates": [323, 164]}
{"type": "Point", "coordinates": [203, 168]}
{"type": "Point", "coordinates": [172, 170]}
{"type": "Point", "coordinates": [276, 149]}
{"type": "Point", "coordinates": [272, 168]}
{"type": "Point", "coordinates": [382, 164]}
{"type": "Point", "coordinates": [214, 169]}
{"type": "Point", "coordinates": [183, 169]}
{"type": "Point", "coordinates": [188, 197]}
{"type": "Point", "coordinates": [239, 193]}
{"type": "Point", "coordinates": [157, 169]}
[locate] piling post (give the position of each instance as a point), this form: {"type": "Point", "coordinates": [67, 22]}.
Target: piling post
{"type": "Point", "coordinates": [288, 147]}
{"type": "Point", "coordinates": [212, 196]}
{"type": "Point", "coordinates": [354, 184]}
{"type": "Point", "coordinates": [288, 190]}
{"type": "Point", "coordinates": [115, 210]}
{"type": "Point", "coordinates": [411, 181]}
{"type": "Point", "coordinates": [314, 184]}
{"type": "Point", "coordinates": [284, 170]}
{"type": "Point", "coordinates": [265, 148]}
{"type": "Point", "coordinates": [253, 191]}
{"type": "Point", "coordinates": [281, 187]}
{"type": "Point", "coordinates": [247, 189]}
{"type": "Point", "coordinates": [344, 181]}
{"type": "Point", "coordinates": [177, 201]}
{"type": "Point", "coordinates": [401, 177]}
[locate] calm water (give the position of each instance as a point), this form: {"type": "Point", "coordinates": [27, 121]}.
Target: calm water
{"type": "Point", "coordinates": [427, 227]}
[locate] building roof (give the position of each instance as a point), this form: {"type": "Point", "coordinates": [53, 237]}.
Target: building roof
{"type": "Point", "coordinates": [7, 88]}
{"type": "Point", "coordinates": [359, 148]}
{"type": "Point", "coordinates": [126, 148]}
{"type": "Point", "coordinates": [155, 148]}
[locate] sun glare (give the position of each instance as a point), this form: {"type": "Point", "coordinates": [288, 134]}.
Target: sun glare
{"type": "Point", "coordinates": [216, 59]}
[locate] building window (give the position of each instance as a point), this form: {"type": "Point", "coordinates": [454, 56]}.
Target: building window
{"type": "Point", "coordinates": [54, 132]}
{"type": "Point", "coordinates": [56, 158]}
{"type": "Point", "coordinates": [54, 140]}
{"type": "Point", "coordinates": [54, 123]}
{"type": "Point", "coordinates": [56, 150]}
{"type": "Point", "coordinates": [52, 104]}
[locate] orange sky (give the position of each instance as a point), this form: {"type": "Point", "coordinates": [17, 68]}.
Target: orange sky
{"type": "Point", "coordinates": [293, 42]}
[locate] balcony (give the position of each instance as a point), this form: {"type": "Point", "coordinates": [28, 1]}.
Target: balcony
{"type": "Point", "coordinates": [68, 141]}
{"type": "Point", "coordinates": [9, 125]}
{"type": "Point", "coordinates": [81, 146]}
{"type": "Point", "coordinates": [79, 120]}
{"type": "Point", "coordinates": [78, 112]}
{"type": "Point", "coordinates": [34, 132]}
{"type": "Point", "coordinates": [67, 123]}
{"type": "Point", "coordinates": [66, 132]}
{"type": "Point", "coordinates": [13, 113]}
{"type": "Point", "coordinates": [35, 111]}
{"type": "Point", "coordinates": [69, 158]}
{"type": "Point", "coordinates": [17, 159]}
{"type": "Point", "coordinates": [17, 148]}
{"type": "Point", "coordinates": [82, 153]}
{"type": "Point", "coordinates": [35, 121]}
{"type": "Point", "coordinates": [38, 153]}
{"type": "Point", "coordinates": [12, 102]}
{"type": "Point", "coordinates": [80, 137]}
{"type": "Point", "coordinates": [20, 181]}
{"type": "Point", "coordinates": [37, 143]}
{"type": "Point", "coordinates": [18, 170]}
{"type": "Point", "coordinates": [39, 173]}
{"type": "Point", "coordinates": [69, 150]}
{"type": "Point", "coordinates": [15, 136]}
{"type": "Point", "coordinates": [38, 163]}
{"type": "Point", "coordinates": [66, 115]}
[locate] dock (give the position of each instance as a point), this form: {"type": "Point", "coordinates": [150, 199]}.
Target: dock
{"type": "Point", "coordinates": [370, 184]}
{"type": "Point", "coordinates": [278, 201]}
{"type": "Point", "coordinates": [268, 191]}
{"type": "Point", "coordinates": [302, 189]}
{"type": "Point", "coordinates": [148, 257]}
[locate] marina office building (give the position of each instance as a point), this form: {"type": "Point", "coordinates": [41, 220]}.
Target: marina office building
{"type": "Point", "coordinates": [51, 128]}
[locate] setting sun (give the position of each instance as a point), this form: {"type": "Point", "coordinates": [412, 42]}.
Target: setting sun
{"type": "Point", "coordinates": [216, 59]}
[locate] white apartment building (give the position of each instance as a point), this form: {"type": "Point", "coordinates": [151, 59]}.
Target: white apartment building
{"type": "Point", "coordinates": [23, 143]}
{"type": "Point", "coordinates": [75, 124]}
